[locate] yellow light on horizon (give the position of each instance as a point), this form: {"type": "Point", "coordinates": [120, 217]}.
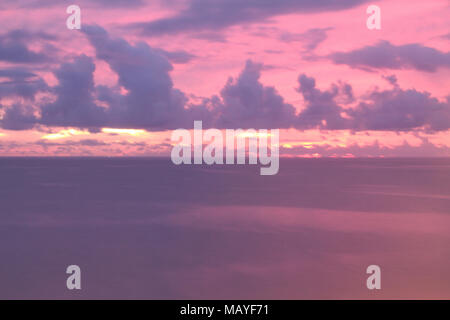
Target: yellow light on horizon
{"type": "Point", "coordinates": [64, 134]}
{"type": "Point", "coordinates": [132, 132]}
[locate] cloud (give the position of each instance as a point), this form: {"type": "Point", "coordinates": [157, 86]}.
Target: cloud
{"type": "Point", "coordinates": [178, 56]}
{"type": "Point", "coordinates": [16, 73]}
{"type": "Point", "coordinates": [74, 105]}
{"type": "Point", "coordinates": [145, 98]}
{"type": "Point", "coordinates": [151, 100]}
{"type": "Point", "coordinates": [80, 143]}
{"type": "Point", "coordinates": [20, 82]}
{"type": "Point", "coordinates": [385, 55]}
{"type": "Point", "coordinates": [247, 103]}
{"type": "Point", "coordinates": [105, 4]}
{"type": "Point", "coordinates": [310, 38]}
{"type": "Point", "coordinates": [18, 117]}
{"type": "Point", "coordinates": [27, 35]}
{"type": "Point", "coordinates": [392, 109]}
{"type": "Point", "coordinates": [401, 110]}
{"type": "Point", "coordinates": [426, 148]}
{"type": "Point", "coordinates": [322, 110]}
{"type": "Point", "coordinates": [14, 49]}
{"type": "Point", "coordinates": [213, 15]}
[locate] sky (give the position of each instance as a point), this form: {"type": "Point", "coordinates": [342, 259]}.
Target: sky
{"type": "Point", "coordinates": [138, 69]}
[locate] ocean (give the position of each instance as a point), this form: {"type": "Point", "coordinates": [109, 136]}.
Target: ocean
{"type": "Point", "coordinates": [144, 228]}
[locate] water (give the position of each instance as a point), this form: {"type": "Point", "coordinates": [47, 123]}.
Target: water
{"type": "Point", "coordinates": [147, 229]}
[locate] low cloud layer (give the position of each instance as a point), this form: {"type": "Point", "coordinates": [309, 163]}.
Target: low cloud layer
{"type": "Point", "coordinates": [145, 97]}
{"type": "Point", "coordinates": [385, 55]}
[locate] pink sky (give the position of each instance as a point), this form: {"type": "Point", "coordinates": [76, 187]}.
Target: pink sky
{"type": "Point", "coordinates": [289, 42]}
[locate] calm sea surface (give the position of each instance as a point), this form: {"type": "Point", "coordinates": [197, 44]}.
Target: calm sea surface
{"type": "Point", "coordinates": [145, 228]}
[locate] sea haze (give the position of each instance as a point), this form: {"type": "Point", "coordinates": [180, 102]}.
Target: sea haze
{"type": "Point", "coordinates": [148, 229]}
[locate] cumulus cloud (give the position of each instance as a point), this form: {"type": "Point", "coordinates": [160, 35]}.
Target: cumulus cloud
{"type": "Point", "coordinates": [145, 98]}
{"type": "Point", "coordinates": [393, 109]}
{"type": "Point", "coordinates": [151, 100]}
{"type": "Point", "coordinates": [385, 55]}
{"type": "Point", "coordinates": [247, 103]}
{"type": "Point", "coordinates": [74, 105]}
{"type": "Point", "coordinates": [18, 117]}
{"type": "Point", "coordinates": [322, 110]}
{"type": "Point", "coordinates": [401, 110]}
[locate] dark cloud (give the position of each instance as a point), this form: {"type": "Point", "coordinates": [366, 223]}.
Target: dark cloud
{"type": "Point", "coordinates": [321, 107]}
{"type": "Point", "coordinates": [401, 110]}
{"type": "Point", "coordinates": [211, 15]}
{"type": "Point", "coordinates": [247, 103]}
{"type": "Point", "coordinates": [145, 98]}
{"type": "Point", "coordinates": [105, 4]}
{"type": "Point", "coordinates": [74, 105]}
{"type": "Point", "coordinates": [19, 82]}
{"type": "Point", "coordinates": [385, 55]}
{"type": "Point", "coordinates": [16, 74]}
{"type": "Point", "coordinates": [151, 100]}
{"type": "Point", "coordinates": [81, 143]}
{"type": "Point", "coordinates": [26, 89]}
{"type": "Point", "coordinates": [26, 35]}
{"type": "Point", "coordinates": [393, 109]}
{"type": "Point", "coordinates": [18, 117]}
{"type": "Point", "coordinates": [392, 79]}
{"type": "Point", "coordinates": [14, 48]}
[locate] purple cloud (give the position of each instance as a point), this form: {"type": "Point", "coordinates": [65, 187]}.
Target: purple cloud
{"type": "Point", "coordinates": [385, 55]}
{"type": "Point", "coordinates": [178, 56]}
{"type": "Point", "coordinates": [310, 38]}
{"type": "Point", "coordinates": [211, 15]}
{"type": "Point", "coordinates": [322, 110]}
{"type": "Point", "coordinates": [247, 103]}
{"type": "Point", "coordinates": [20, 82]}
{"type": "Point", "coordinates": [105, 4]}
{"type": "Point", "coordinates": [74, 105]}
{"type": "Point", "coordinates": [151, 102]}
{"type": "Point", "coordinates": [401, 110]}
{"type": "Point", "coordinates": [14, 48]}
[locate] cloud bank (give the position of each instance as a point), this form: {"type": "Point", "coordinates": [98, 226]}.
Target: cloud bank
{"type": "Point", "coordinates": [145, 97]}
